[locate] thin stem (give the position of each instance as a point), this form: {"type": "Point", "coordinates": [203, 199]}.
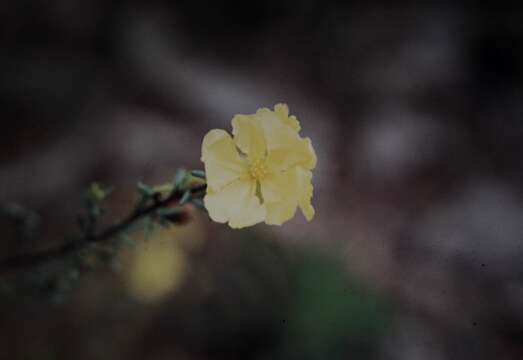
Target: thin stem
{"type": "Point", "coordinates": [28, 260]}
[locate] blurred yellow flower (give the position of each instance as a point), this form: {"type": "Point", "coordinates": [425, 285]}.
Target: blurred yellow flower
{"type": "Point", "coordinates": [157, 269]}
{"type": "Point", "coordinates": [263, 173]}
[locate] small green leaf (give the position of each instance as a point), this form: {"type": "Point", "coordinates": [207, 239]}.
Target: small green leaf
{"type": "Point", "coordinates": [145, 190]}
{"type": "Point", "coordinates": [180, 178]}
{"type": "Point", "coordinates": [198, 173]}
{"type": "Point", "coordinates": [185, 197]}
{"type": "Point", "coordinates": [97, 192]}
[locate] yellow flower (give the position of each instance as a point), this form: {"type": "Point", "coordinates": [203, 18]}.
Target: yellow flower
{"type": "Point", "coordinates": [262, 174]}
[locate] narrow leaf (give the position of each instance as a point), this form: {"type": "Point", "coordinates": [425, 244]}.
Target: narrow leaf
{"type": "Point", "coordinates": [198, 173]}
{"type": "Point", "coordinates": [144, 190]}
{"type": "Point", "coordinates": [185, 197]}
{"type": "Point", "coordinates": [179, 179]}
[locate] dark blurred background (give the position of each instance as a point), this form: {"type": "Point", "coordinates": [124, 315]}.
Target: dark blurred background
{"type": "Point", "coordinates": [415, 113]}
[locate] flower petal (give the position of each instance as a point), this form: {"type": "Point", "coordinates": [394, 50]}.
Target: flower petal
{"type": "Point", "coordinates": [277, 187]}
{"type": "Point", "coordinates": [277, 133]}
{"type": "Point", "coordinates": [223, 163]}
{"type": "Point", "coordinates": [284, 192]}
{"type": "Point", "coordinates": [298, 152]}
{"type": "Point", "coordinates": [278, 213]}
{"type": "Point", "coordinates": [236, 203]}
{"type": "Point", "coordinates": [280, 195]}
{"type": "Point", "coordinates": [285, 147]}
{"type": "Point", "coordinates": [249, 136]}
{"type": "Point", "coordinates": [282, 110]}
{"type": "Point", "coordinates": [304, 180]}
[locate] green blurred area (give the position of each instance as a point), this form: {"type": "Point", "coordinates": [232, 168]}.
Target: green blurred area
{"type": "Point", "coordinates": [242, 296]}
{"type": "Point", "coordinates": [332, 315]}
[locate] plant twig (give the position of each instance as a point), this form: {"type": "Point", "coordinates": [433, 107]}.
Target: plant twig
{"type": "Point", "coordinates": [28, 260]}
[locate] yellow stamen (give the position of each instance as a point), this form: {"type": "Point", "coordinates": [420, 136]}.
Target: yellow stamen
{"type": "Point", "coordinates": [257, 169]}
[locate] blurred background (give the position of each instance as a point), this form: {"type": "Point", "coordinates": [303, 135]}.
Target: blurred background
{"type": "Point", "coordinates": [416, 116]}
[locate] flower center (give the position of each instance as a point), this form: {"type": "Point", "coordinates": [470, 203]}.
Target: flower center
{"type": "Point", "coordinates": [257, 169]}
